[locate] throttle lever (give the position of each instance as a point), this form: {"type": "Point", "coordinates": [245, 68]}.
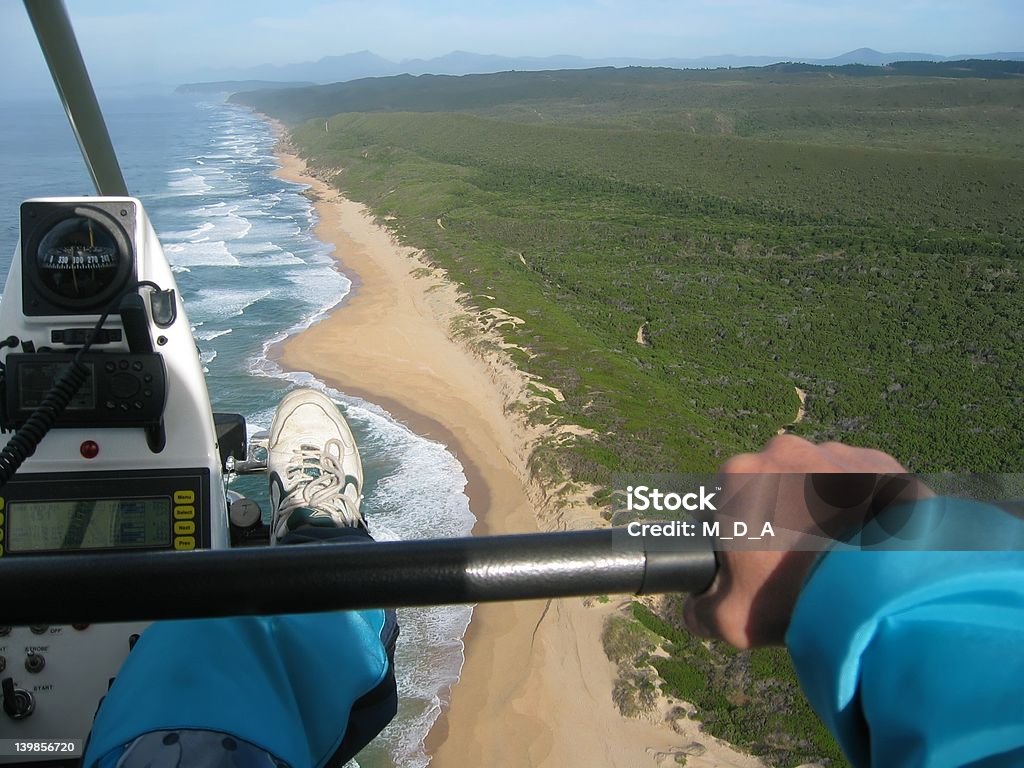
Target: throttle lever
{"type": "Point", "coordinates": [18, 703]}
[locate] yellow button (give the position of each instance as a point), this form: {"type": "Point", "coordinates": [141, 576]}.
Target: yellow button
{"type": "Point", "coordinates": [184, 528]}
{"type": "Point", "coordinates": [1, 534]}
{"type": "Point", "coordinates": [1, 550]}
{"type": "Point", "coordinates": [184, 497]}
{"type": "Point", "coordinates": [1, 518]}
{"type": "Point", "coordinates": [3, 502]}
{"type": "Point", "coordinates": [184, 542]}
{"type": "Point", "coordinates": [184, 513]}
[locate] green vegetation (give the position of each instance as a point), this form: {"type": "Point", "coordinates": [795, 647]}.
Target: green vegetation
{"type": "Point", "coordinates": [853, 233]}
{"type": "Point", "coordinates": [909, 105]}
{"type": "Point", "coordinates": [748, 699]}
{"type": "Point", "coordinates": [629, 645]}
{"type": "Point", "coordinates": [883, 282]}
{"type": "Point", "coordinates": [625, 640]}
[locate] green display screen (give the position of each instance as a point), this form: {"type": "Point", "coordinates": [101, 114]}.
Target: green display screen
{"type": "Point", "coordinates": [35, 380]}
{"type": "Point", "coordinates": [47, 526]}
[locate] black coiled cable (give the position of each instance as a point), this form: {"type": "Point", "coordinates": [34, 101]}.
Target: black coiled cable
{"type": "Point", "coordinates": [25, 441]}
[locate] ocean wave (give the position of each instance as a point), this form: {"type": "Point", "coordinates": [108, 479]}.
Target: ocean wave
{"type": "Point", "coordinates": [270, 259]}
{"type": "Point", "coordinates": [427, 510]}
{"type": "Point", "coordinates": [211, 209]}
{"type": "Point", "coordinates": [211, 334]}
{"type": "Point", "coordinates": [178, 236]}
{"type": "Point", "coordinates": [212, 304]}
{"type": "Point", "coordinates": [256, 248]}
{"type": "Point", "coordinates": [201, 254]}
{"type": "Point", "coordinates": [191, 185]}
{"type": "Point", "coordinates": [324, 289]}
{"type": "Point", "coordinates": [200, 232]}
{"type": "Point", "coordinates": [221, 221]}
{"type": "Point", "coordinates": [280, 228]}
{"type": "Point", "coordinates": [224, 224]}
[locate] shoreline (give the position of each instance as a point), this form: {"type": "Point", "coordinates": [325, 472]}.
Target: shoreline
{"type": "Point", "coordinates": [408, 318]}
{"type": "Point", "coordinates": [535, 686]}
{"type": "Point", "coordinates": [406, 378]}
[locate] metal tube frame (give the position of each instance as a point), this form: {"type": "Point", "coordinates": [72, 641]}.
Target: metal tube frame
{"type": "Point", "coordinates": [118, 586]}
{"type": "Point", "coordinates": [64, 58]}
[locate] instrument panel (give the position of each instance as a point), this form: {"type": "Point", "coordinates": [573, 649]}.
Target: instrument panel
{"type": "Point", "coordinates": [63, 513]}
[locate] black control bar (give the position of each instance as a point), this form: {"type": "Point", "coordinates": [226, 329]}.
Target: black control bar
{"type": "Point", "coordinates": [82, 588]}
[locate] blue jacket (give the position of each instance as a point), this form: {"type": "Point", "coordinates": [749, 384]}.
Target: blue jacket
{"type": "Point", "coordinates": [284, 685]}
{"type": "Point", "coordinates": [913, 653]}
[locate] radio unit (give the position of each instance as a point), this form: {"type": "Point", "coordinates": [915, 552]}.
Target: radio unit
{"type": "Point", "coordinates": [121, 390]}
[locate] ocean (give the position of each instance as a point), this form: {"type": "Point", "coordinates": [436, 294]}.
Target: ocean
{"type": "Point", "coordinates": [251, 273]}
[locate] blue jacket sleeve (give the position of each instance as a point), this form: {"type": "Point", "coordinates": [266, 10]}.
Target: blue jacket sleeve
{"type": "Point", "coordinates": [913, 654]}
{"type": "Point", "coordinates": [282, 684]}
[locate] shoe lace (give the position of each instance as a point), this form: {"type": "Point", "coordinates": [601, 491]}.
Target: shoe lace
{"type": "Point", "coordinates": [320, 482]}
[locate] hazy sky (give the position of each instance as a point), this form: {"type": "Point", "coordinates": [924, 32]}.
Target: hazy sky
{"type": "Point", "coordinates": [171, 40]}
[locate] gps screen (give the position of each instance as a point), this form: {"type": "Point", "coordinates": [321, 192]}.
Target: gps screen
{"type": "Point", "coordinates": [46, 526]}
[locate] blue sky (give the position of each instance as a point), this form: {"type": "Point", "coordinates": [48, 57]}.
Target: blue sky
{"type": "Point", "coordinates": [160, 40]}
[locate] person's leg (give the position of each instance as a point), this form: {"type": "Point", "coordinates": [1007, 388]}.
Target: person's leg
{"type": "Point", "coordinates": [316, 483]}
{"type": "Point", "coordinates": [303, 689]}
{"type": "Point", "coordinates": [316, 486]}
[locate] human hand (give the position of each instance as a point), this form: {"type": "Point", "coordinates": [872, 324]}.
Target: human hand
{"type": "Point", "coordinates": [752, 598]}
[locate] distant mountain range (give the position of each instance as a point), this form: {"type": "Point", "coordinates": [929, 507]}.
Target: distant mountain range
{"type": "Point", "coordinates": [607, 90]}
{"type": "Point", "coordinates": [354, 66]}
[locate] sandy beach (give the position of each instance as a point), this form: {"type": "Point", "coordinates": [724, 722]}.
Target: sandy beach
{"type": "Point", "coordinates": [536, 685]}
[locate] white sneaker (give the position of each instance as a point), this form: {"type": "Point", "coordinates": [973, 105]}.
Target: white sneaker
{"type": "Point", "coordinates": [316, 477]}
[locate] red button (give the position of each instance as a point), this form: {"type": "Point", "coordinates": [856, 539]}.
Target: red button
{"type": "Point", "coordinates": [89, 449]}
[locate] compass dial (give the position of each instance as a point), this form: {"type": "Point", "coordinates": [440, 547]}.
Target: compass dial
{"type": "Point", "coordinates": [78, 258]}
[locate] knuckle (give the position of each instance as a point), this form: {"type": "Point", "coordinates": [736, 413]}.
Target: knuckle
{"type": "Point", "coordinates": [744, 463]}
{"type": "Point", "coordinates": [785, 442]}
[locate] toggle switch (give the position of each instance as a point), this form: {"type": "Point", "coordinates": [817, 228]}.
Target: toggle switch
{"type": "Point", "coordinates": [34, 662]}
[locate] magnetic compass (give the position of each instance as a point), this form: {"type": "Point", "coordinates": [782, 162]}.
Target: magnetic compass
{"type": "Point", "coordinates": [78, 259]}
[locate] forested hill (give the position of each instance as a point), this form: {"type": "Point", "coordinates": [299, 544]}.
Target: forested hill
{"type": "Point", "coordinates": [632, 88]}
{"type": "Point", "coordinates": [858, 237]}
